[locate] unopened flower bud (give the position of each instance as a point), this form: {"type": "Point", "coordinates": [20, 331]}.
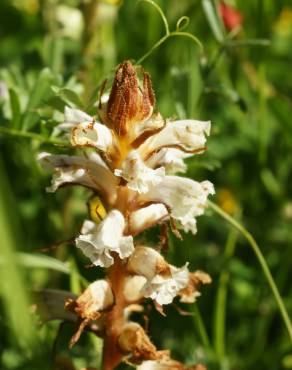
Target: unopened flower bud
{"type": "Point", "coordinates": [147, 262]}
{"type": "Point", "coordinates": [128, 102]}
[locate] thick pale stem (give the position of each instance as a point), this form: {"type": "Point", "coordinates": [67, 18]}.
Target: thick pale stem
{"type": "Point", "coordinates": [112, 355]}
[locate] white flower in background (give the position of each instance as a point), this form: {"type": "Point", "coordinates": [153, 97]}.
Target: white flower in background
{"type": "Point", "coordinates": [97, 242]}
{"type": "Point", "coordinates": [163, 288]}
{"type": "Point", "coordinates": [71, 21]}
{"type": "Point", "coordinates": [139, 177]}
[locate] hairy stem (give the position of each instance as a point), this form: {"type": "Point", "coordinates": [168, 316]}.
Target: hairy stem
{"type": "Point", "coordinates": [112, 355]}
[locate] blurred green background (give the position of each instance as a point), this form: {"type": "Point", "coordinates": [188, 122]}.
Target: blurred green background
{"type": "Point", "coordinates": [54, 53]}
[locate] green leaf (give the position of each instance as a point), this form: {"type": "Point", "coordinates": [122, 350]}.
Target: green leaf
{"type": "Point", "coordinates": [13, 289]}
{"type": "Point", "coordinates": [40, 91]}
{"type": "Point", "coordinates": [52, 52]}
{"type": "Point", "coordinates": [213, 20]}
{"type": "Point", "coordinates": [15, 108]}
{"type": "Point", "coordinates": [69, 96]}
{"type": "Point", "coordinates": [41, 261]}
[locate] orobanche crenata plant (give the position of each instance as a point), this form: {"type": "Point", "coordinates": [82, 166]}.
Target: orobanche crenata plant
{"type": "Point", "coordinates": [129, 157]}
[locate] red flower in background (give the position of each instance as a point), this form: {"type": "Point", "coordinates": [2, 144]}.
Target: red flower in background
{"type": "Point", "coordinates": [231, 17]}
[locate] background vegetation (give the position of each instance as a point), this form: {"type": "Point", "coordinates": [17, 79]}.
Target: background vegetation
{"type": "Point", "coordinates": [54, 53]}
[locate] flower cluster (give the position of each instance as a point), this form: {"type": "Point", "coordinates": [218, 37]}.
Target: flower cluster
{"type": "Point", "coordinates": [129, 157]}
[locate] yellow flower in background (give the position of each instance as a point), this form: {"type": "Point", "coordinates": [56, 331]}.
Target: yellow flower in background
{"type": "Point", "coordinates": [227, 201]}
{"type": "Point", "coordinates": [283, 24]}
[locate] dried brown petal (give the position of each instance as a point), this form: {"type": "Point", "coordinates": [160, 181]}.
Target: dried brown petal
{"type": "Point", "coordinates": [133, 340]}
{"type": "Point", "coordinates": [191, 291]}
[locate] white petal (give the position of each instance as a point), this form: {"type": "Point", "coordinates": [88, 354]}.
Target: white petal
{"type": "Point", "coordinates": [133, 287]}
{"type": "Point", "coordinates": [73, 117]}
{"type": "Point", "coordinates": [104, 238]}
{"type": "Point", "coordinates": [164, 288]}
{"type": "Point", "coordinates": [147, 262]}
{"type": "Point", "coordinates": [147, 217]}
{"type": "Point", "coordinates": [140, 178]}
{"type": "Point", "coordinates": [88, 171]}
{"type": "Point", "coordinates": [170, 158]}
{"type": "Point", "coordinates": [186, 198]}
{"type": "Point", "coordinates": [140, 130]}
{"type": "Point", "coordinates": [188, 134]}
{"type": "Point", "coordinates": [92, 134]}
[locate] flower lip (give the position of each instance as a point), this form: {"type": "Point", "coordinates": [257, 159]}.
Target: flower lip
{"type": "Point", "coordinates": [97, 242]}
{"type": "Point", "coordinates": [140, 178]}
{"type": "Point", "coordinates": [163, 288]}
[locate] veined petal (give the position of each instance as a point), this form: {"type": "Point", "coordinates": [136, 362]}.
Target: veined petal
{"type": "Point", "coordinates": [140, 178]}
{"type": "Point", "coordinates": [144, 129]}
{"type": "Point", "coordinates": [163, 288]}
{"type": "Point", "coordinates": [147, 217]}
{"type": "Point", "coordinates": [104, 238]}
{"type": "Point", "coordinates": [73, 117]}
{"type": "Point", "coordinates": [190, 135]}
{"type": "Point", "coordinates": [170, 158]}
{"type": "Point", "coordinates": [185, 198]}
{"type": "Point", "coordinates": [88, 171]}
{"type": "Point", "coordinates": [92, 134]}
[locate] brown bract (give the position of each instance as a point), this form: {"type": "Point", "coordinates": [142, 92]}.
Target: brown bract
{"type": "Point", "coordinates": [128, 102]}
{"type": "Point", "coordinates": [196, 279]}
{"type": "Point", "coordinates": [134, 340]}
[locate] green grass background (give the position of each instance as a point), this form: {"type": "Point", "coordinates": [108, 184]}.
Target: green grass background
{"type": "Point", "coordinates": [244, 88]}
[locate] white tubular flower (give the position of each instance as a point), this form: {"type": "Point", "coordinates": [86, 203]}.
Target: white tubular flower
{"type": "Point", "coordinates": [133, 287]}
{"type": "Point", "coordinates": [146, 217]}
{"type": "Point", "coordinates": [170, 158]}
{"type": "Point", "coordinates": [92, 134]}
{"type": "Point", "coordinates": [73, 117]}
{"type": "Point", "coordinates": [163, 288]}
{"type": "Point", "coordinates": [186, 199]}
{"type": "Point", "coordinates": [188, 135]}
{"type": "Point", "coordinates": [147, 262]}
{"type": "Point", "coordinates": [88, 171]}
{"type": "Point", "coordinates": [97, 242]}
{"type": "Point", "coordinates": [140, 178]}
